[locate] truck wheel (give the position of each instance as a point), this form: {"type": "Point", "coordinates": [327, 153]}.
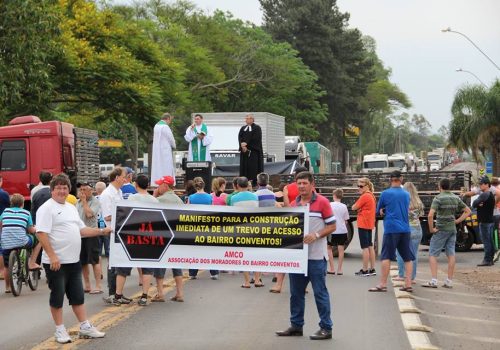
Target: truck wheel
{"type": "Point", "coordinates": [350, 232]}
{"type": "Point", "coordinates": [465, 238]}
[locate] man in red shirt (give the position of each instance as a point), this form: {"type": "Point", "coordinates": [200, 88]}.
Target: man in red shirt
{"type": "Point", "coordinates": [321, 224]}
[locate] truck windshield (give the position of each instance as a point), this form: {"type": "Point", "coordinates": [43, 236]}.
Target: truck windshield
{"type": "Point", "coordinates": [375, 164]}
{"type": "Point", "coordinates": [13, 155]}
{"type": "Point", "coordinates": [433, 157]}
{"type": "Point", "coordinates": [397, 163]}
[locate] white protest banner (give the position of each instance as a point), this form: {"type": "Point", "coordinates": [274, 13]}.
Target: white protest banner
{"type": "Point", "coordinates": [209, 237]}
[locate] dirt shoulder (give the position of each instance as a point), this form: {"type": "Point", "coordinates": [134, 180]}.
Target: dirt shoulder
{"type": "Point", "coordinates": [484, 279]}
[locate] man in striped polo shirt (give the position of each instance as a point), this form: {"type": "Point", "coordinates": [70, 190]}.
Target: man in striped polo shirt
{"type": "Point", "coordinates": [266, 197]}
{"type": "Point", "coordinates": [18, 231]}
{"type": "Point", "coordinates": [321, 224]}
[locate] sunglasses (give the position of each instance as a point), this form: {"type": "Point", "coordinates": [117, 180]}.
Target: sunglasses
{"type": "Point", "coordinates": [361, 186]}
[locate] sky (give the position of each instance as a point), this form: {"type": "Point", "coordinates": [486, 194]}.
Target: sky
{"type": "Point", "coordinates": [409, 40]}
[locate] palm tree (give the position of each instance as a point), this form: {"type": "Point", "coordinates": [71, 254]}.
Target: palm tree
{"type": "Point", "coordinates": [476, 121]}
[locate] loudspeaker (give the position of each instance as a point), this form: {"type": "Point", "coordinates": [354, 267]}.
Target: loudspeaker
{"type": "Point", "coordinates": [200, 169]}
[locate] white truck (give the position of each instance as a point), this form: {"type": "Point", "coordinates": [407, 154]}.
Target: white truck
{"type": "Point", "coordinates": [226, 126]}
{"type": "Point", "coordinates": [397, 162]}
{"type": "Point", "coordinates": [375, 162]}
{"type": "Point", "coordinates": [435, 160]}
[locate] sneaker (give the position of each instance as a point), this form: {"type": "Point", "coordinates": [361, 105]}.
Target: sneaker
{"type": "Point", "coordinates": [362, 273]}
{"type": "Point", "coordinates": [91, 332]}
{"type": "Point", "coordinates": [143, 301]}
{"type": "Point", "coordinates": [372, 272]}
{"type": "Point", "coordinates": [214, 277]}
{"type": "Point", "coordinates": [430, 284]}
{"type": "Point", "coordinates": [62, 337]}
{"type": "Point", "coordinates": [192, 277]}
{"type": "Point", "coordinates": [109, 300]}
{"type": "Point", "coordinates": [121, 301]}
{"type": "Point", "coordinates": [448, 284]}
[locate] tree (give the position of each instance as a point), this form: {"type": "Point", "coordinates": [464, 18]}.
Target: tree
{"type": "Point", "coordinates": [476, 121]}
{"type": "Point", "coordinates": [233, 66]}
{"type": "Point", "coordinates": [28, 42]}
{"type": "Point", "coordinates": [381, 102]}
{"type": "Point", "coordinates": [318, 30]}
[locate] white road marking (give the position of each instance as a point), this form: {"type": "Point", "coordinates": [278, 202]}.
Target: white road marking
{"type": "Point", "coordinates": [471, 337]}
{"type": "Point", "coordinates": [467, 319]}
{"type": "Point", "coordinates": [461, 304]}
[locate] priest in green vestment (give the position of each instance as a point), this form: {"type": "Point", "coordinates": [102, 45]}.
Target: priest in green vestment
{"type": "Point", "coordinates": [199, 137]}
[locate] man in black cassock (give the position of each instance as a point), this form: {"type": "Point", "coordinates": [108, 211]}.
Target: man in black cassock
{"type": "Point", "coordinates": [251, 153]}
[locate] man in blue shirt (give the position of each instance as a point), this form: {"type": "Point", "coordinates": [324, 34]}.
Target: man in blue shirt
{"type": "Point", "coordinates": [394, 204]}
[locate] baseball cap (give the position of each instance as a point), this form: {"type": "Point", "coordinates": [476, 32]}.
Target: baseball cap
{"type": "Point", "coordinates": [484, 180]}
{"type": "Point", "coordinates": [396, 174]}
{"type": "Point", "coordinates": [80, 184]}
{"type": "Point", "coordinates": [129, 170]}
{"type": "Point", "coordinates": [169, 180]}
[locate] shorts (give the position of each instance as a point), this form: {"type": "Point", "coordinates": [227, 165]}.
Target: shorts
{"type": "Point", "coordinates": [177, 272]}
{"type": "Point", "coordinates": [443, 240]}
{"type": "Point", "coordinates": [337, 239]}
{"type": "Point", "coordinates": [89, 253]}
{"type": "Point", "coordinates": [157, 273]}
{"type": "Point", "coordinates": [365, 238]}
{"type": "Point", "coordinates": [67, 280]}
{"type": "Point", "coordinates": [32, 241]}
{"type": "Point", "coordinates": [123, 271]}
{"type": "Point", "coordinates": [397, 241]}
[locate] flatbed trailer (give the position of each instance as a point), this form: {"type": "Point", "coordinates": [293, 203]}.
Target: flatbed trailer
{"type": "Point", "coordinates": [426, 183]}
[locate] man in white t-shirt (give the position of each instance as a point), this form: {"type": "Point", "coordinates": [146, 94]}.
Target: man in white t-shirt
{"type": "Point", "coordinates": [109, 198]}
{"type": "Point", "coordinates": [338, 237]}
{"type": "Point", "coordinates": [59, 230]}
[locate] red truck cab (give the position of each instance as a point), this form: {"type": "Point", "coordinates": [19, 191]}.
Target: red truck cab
{"type": "Point", "coordinates": [29, 146]}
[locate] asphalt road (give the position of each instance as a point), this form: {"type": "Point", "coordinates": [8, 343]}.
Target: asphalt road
{"type": "Point", "coordinates": [221, 315]}
{"type": "Point", "coordinates": [463, 317]}
{"type": "Point", "coordinates": [216, 315]}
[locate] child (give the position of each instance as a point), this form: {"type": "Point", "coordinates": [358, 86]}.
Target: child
{"type": "Point", "coordinates": [339, 236]}
{"type": "Point", "coordinates": [18, 232]}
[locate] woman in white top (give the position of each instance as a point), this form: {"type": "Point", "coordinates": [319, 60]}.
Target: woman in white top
{"type": "Point", "coordinates": [339, 236]}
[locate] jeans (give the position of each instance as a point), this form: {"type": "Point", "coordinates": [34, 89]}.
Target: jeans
{"type": "Point", "coordinates": [104, 241]}
{"type": "Point", "coordinates": [316, 274]}
{"type": "Point", "coordinates": [486, 231]}
{"type": "Point", "coordinates": [415, 237]}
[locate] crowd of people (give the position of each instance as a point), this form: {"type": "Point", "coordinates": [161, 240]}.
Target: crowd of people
{"type": "Point", "coordinates": [71, 233]}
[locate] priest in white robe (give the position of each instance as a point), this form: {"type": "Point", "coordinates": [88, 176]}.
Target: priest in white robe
{"type": "Point", "coordinates": [199, 138]}
{"type": "Point", "coordinates": [162, 163]}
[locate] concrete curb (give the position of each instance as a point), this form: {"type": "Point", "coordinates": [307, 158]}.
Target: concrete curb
{"type": "Point", "coordinates": [415, 330]}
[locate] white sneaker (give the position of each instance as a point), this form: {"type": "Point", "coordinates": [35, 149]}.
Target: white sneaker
{"type": "Point", "coordinates": [62, 337]}
{"type": "Point", "coordinates": [430, 284]}
{"type": "Point", "coordinates": [214, 277]}
{"type": "Point", "coordinates": [448, 284]}
{"type": "Point", "coordinates": [91, 332]}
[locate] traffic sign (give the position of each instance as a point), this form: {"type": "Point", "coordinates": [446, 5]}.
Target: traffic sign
{"type": "Point", "coordinates": [110, 143]}
{"type": "Point", "coordinates": [489, 168]}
